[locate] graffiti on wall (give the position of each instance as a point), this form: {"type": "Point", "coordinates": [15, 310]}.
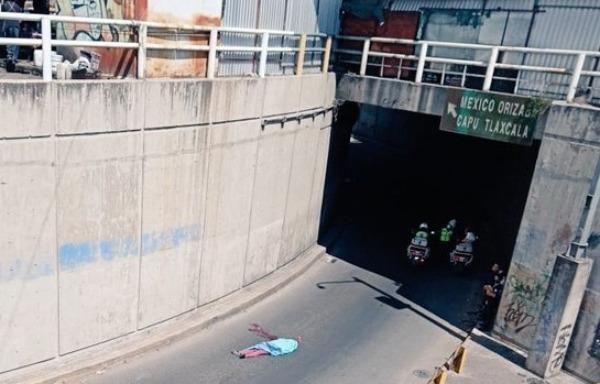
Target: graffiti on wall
{"type": "Point", "coordinates": [115, 62]}
{"type": "Point", "coordinates": [120, 62]}
{"type": "Point", "coordinates": [525, 301]}
{"type": "Point", "coordinates": [111, 9]}
{"type": "Point", "coordinates": [595, 349]}
{"type": "Point", "coordinates": [560, 350]}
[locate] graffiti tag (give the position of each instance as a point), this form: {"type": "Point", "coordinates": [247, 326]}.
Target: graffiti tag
{"type": "Point", "coordinates": [525, 298]}
{"type": "Point", "coordinates": [526, 291]}
{"type": "Point", "coordinates": [560, 351]}
{"type": "Point", "coordinates": [517, 316]}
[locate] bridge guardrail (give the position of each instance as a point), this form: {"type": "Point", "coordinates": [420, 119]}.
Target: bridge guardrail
{"type": "Point", "coordinates": [416, 65]}
{"type": "Point", "coordinates": [140, 41]}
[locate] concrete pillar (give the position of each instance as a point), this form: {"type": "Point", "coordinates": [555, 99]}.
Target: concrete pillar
{"type": "Point", "coordinates": [558, 315]}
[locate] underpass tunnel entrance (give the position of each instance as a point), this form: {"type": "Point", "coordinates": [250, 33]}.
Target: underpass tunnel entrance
{"type": "Point", "coordinates": [398, 170]}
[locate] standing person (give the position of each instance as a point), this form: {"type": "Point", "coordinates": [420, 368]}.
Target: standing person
{"type": "Point", "coordinates": [274, 346]}
{"type": "Point", "coordinates": [466, 243]}
{"type": "Point", "coordinates": [11, 28]}
{"type": "Point", "coordinates": [492, 292]}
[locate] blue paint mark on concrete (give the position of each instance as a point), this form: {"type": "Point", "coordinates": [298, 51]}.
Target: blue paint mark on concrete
{"type": "Point", "coordinates": [71, 256]}
{"type": "Point", "coordinates": [21, 270]}
{"type": "Point", "coordinates": [75, 255]}
{"type": "Point", "coordinates": [173, 238]}
{"type": "Point", "coordinates": [107, 251]}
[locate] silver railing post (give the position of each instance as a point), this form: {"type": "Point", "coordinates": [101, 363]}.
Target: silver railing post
{"type": "Point", "coordinates": [364, 60]}
{"type": "Point", "coordinates": [489, 73]}
{"type": "Point", "coordinates": [576, 77]}
{"type": "Point", "coordinates": [211, 68]}
{"type": "Point", "coordinates": [264, 50]}
{"type": "Point", "coordinates": [46, 49]}
{"type": "Point", "coordinates": [421, 63]}
{"type": "Point", "coordinates": [141, 53]}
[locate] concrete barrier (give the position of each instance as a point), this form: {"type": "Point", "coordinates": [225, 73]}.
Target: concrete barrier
{"type": "Point", "coordinates": [129, 203]}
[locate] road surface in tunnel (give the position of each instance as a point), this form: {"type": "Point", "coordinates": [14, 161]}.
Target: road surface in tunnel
{"type": "Point", "coordinates": [352, 314]}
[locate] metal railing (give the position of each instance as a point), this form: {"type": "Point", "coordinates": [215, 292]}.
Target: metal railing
{"type": "Point", "coordinates": [421, 66]}
{"type": "Point", "coordinates": [142, 45]}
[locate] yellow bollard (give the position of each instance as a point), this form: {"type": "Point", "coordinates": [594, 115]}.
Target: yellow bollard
{"type": "Point", "coordinates": [458, 364]}
{"type": "Point", "coordinates": [440, 376]}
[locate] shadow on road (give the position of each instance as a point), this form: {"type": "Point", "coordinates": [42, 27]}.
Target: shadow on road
{"type": "Point", "coordinates": [395, 302]}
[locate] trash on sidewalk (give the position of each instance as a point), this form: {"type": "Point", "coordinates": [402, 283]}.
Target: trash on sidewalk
{"type": "Point", "coordinates": [274, 346]}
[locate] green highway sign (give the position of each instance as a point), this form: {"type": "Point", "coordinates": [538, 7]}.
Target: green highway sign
{"type": "Point", "coordinates": [511, 119]}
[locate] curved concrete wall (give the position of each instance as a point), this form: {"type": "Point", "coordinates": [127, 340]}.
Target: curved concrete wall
{"type": "Point", "coordinates": [127, 203]}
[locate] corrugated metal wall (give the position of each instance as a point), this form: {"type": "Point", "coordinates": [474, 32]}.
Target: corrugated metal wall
{"type": "Point", "coordinates": [329, 16]}
{"type": "Point", "coordinates": [561, 25]}
{"type": "Point", "coordinates": [308, 16]}
{"type": "Point", "coordinates": [416, 5]}
{"type": "Point", "coordinates": [568, 24]}
{"type": "Point", "coordinates": [242, 14]}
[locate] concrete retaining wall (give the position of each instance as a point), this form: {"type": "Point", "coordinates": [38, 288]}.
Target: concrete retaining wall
{"type": "Point", "coordinates": [128, 203]}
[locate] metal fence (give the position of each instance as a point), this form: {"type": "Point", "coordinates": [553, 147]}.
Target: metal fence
{"type": "Point", "coordinates": [258, 52]}
{"type": "Point", "coordinates": [488, 72]}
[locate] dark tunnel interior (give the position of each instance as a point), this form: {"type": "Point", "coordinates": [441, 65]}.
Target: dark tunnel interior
{"type": "Point", "coordinates": [399, 170]}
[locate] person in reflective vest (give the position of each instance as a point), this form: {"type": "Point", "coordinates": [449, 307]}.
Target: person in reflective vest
{"type": "Point", "coordinates": [446, 235]}
{"type": "Point", "coordinates": [421, 236]}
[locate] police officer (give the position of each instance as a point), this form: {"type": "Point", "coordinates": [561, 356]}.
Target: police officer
{"type": "Point", "coordinates": [446, 235]}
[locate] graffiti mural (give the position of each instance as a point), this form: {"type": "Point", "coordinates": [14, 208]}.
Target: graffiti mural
{"type": "Point", "coordinates": [111, 9]}
{"type": "Point", "coordinates": [113, 62]}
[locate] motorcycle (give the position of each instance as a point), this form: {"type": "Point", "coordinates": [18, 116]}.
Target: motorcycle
{"type": "Point", "coordinates": [461, 259]}
{"type": "Point", "coordinates": [418, 251]}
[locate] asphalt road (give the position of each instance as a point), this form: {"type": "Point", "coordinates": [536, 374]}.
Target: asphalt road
{"type": "Point", "coordinates": [352, 313]}
{"type": "Point", "coordinates": [354, 330]}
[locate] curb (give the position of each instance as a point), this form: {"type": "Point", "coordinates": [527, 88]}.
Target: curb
{"type": "Point", "coordinates": [70, 368]}
{"type": "Point", "coordinates": [439, 375]}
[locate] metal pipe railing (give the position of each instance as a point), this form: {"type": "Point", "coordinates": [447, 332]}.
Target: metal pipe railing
{"type": "Point", "coordinates": [423, 58]}
{"type": "Point", "coordinates": [142, 45]}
